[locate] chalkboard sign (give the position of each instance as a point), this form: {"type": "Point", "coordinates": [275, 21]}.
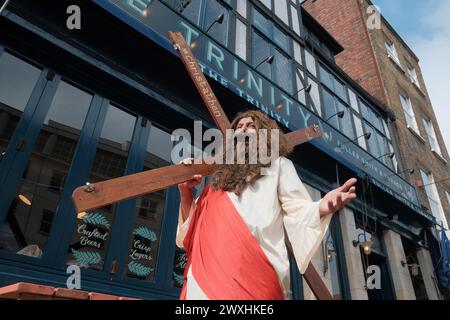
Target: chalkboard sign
{"type": "Point", "coordinates": [180, 263]}
{"type": "Point", "coordinates": [89, 242]}
{"type": "Point", "coordinates": [141, 260]}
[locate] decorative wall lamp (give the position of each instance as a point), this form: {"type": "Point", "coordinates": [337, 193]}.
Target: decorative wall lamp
{"type": "Point", "coordinates": [366, 244]}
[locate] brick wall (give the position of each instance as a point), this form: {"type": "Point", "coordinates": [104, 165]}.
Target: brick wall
{"type": "Point", "coordinates": [344, 21]}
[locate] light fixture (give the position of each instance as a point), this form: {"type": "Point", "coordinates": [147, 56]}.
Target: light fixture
{"type": "Point", "coordinates": [339, 114]}
{"type": "Point", "coordinates": [146, 10]}
{"type": "Point", "coordinates": [410, 171]}
{"type": "Point", "coordinates": [367, 136]}
{"type": "Point", "coordinates": [81, 215]}
{"type": "Point", "coordinates": [307, 89]}
{"type": "Point", "coordinates": [220, 18]}
{"type": "Point", "coordinates": [25, 200]}
{"type": "Point", "coordinates": [366, 244]}
{"type": "Point", "coordinates": [269, 60]}
{"type": "Point", "coordinates": [390, 155]}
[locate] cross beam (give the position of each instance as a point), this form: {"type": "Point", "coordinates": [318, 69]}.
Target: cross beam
{"type": "Point", "coordinates": [91, 197]}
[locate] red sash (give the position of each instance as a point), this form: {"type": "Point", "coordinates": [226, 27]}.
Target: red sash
{"type": "Point", "coordinates": [227, 261]}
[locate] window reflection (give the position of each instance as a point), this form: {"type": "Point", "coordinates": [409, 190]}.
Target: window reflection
{"type": "Point", "coordinates": [145, 238]}
{"type": "Point", "coordinates": [91, 236]}
{"type": "Point", "coordinates": [17, 81]}
{"type": "Point", "coordinates": [31, 214]}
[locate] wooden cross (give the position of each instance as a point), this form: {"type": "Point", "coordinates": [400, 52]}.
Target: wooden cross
{"type": "Point", "coordinates": [98, 195]}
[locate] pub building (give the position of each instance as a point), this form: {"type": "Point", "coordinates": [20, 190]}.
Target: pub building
{"type": "Point", "coordinates": [92, 90]}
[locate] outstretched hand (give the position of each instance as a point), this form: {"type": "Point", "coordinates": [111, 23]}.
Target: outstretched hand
{"type": "Point", "coordinates": [338, 198]}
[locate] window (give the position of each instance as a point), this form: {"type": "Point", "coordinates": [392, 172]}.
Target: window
{"type": "Point", "coordinates": [218, 32]}
{"type": "Point", "coordinates": [392, 52]}
{"type": "Point", "coordinates": [147, 208]}
{"type": "Point", "coordinates": [409, 113]}
{"type": "Point", "coordinates": [413, 76]}
{"type": "Point", "coordinates": [57, 181]}
{"type": "Point", "coordinates": [261, 50]}
{"type": "Point", "coordinates": [281, 69]}
{"type": "Point", "coordinates": [333, 83]}
{"type": "Point", "coordinates": [271, 31]}
{"type": "Point", "coordinates": [191, 10]}
{"type": "Point", "coordinates": [371, 116]}
{"type": "Point", "coordinates": [433, 197]}
{"type": "Point", "coordinates": [429, 129]}
{"type": "Point", "coordinates": [332, 105]}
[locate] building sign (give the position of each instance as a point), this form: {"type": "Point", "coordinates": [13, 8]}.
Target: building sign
{"type": "Point", "coordinates": [155, 19]}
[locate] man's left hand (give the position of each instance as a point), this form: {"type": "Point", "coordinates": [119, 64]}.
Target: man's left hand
{"type": "Point", "coordinates": [337, 199]}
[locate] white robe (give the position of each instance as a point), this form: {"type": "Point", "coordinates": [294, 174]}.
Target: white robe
{"type": "Point", "coordinates": [276, 201]}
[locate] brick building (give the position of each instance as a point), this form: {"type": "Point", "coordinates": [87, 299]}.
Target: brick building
{"type": "Point", "coordinates": [379, 60]}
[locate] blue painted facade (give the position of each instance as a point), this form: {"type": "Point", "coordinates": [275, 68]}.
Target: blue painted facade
{"type": "Point", "coordinates": [135, 92]}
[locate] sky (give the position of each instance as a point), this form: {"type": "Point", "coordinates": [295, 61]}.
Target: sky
{"type": "Point", "coordinates": [425, 27]}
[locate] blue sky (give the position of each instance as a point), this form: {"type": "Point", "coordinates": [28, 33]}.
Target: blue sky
{"type": "Point", "coordinates": [425, 26]}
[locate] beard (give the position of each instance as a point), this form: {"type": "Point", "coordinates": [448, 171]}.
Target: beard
{"type": "Point", "coordinates": [242, 165]}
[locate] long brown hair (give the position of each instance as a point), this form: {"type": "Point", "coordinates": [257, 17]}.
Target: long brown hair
{"type": "Point", "coordinates": [236, 177]}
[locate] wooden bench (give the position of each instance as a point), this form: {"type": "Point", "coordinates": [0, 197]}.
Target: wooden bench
{"type": "Point", "coordinates": [30, 291]}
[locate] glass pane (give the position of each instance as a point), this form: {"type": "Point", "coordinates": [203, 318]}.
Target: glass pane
{"type": "Point", "coordinates": [31, 214]}
{"type": "Point", "coordinates": [145, 238]}
{"type": "Point", "coordinates": [283, 71]}
{"type": "Point", "coordinates": [281, 39]}
{"type": "Point", "coordinates": [260, 52]}
{"type": "Point", "coordinates": [262, 23]}
{"type": "Point", "coordinates": [325, 77]}
{"type": "Point", "coordinates": [17, 81]}
{"type": "Point", "coordinates": [333, 267]}
{"type": "Point", "coordinates": [90, 238]}
{"type": "Point", "coordinates": [190, 9]}
{"type": "Point", "coordinates": [346, 123]}
{"type": "Point", "coordinates": [218, 32]}
{"type": "Point", "coordinates": [340, 90]}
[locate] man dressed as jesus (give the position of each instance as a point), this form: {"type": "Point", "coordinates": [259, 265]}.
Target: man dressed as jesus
{"type": "Point", "coordinates": [234, 233]}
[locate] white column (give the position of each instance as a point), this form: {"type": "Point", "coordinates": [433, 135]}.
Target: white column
{"type": "Point", "coordinates": [400, 274]}
{"type": "Point", "coordinates": [354, 264]}
{"type": "Point", "coordinates": [427, 270]}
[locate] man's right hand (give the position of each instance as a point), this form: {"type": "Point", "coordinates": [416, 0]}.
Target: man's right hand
{"type": "Point", "coordinates": [195, 181]}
